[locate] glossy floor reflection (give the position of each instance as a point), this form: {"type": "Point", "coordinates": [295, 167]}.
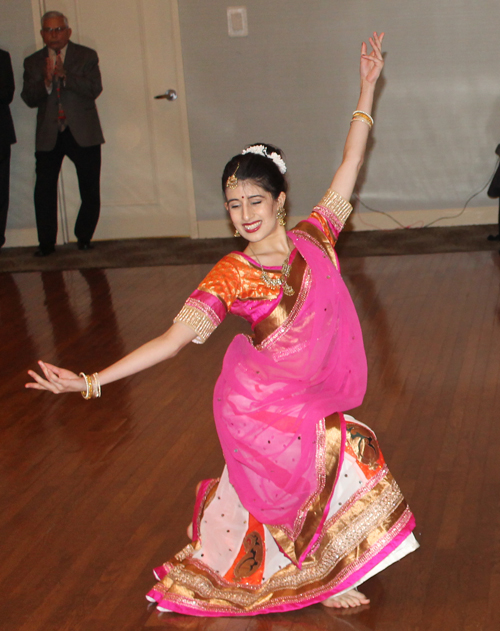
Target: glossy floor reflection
{"type": "Point", "coordinates": [313, 618]}
{"type": "Point", "coordinates": [95, 494]}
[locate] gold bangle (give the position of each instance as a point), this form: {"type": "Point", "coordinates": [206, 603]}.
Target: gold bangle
{"type": "Point", "coordinates": [362, 120]}
{"type": "Point", "coordinates": [364, 114]}
{"type": "Point", "coordinates": [88, 381]}
{"type": "Point", "coordinates": [96, 385]}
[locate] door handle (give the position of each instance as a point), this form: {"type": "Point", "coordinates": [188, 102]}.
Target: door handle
{"type": "Point", "coordinates": [170, 95]}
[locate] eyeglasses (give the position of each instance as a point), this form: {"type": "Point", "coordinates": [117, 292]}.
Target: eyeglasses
{"type": "Point", "coordinates": [58, 29]}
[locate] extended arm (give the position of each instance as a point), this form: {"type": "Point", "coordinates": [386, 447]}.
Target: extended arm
{"type": "Point", "coordinates": [59, 380]}
{"type": "Point", "coordinates": [354, 150]}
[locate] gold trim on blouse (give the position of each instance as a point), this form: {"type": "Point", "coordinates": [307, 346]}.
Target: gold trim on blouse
{"type": "Point", "coordinates": [195, 319]}
{"type": "Point", "coordinates": [337, 205]}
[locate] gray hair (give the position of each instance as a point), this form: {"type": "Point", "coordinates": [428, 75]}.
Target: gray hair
{"type": "Point", "coordinates": [54, 14]}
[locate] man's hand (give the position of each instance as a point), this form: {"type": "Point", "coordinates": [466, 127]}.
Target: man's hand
{"type": "Point", "coordinates": [48, 72]}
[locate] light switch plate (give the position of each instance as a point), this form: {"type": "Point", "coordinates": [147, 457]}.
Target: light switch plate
{"type": "Point", "coordinates": [237, 22]}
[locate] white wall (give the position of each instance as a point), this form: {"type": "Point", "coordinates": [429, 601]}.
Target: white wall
{"type": "Point", "coordinates": [293, 82]}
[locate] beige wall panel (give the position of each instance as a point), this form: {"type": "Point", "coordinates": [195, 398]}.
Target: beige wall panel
{"type": "Point", "coordinates": [294, 82]}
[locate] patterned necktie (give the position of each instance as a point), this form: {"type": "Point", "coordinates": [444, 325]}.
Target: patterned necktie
{"type": "Point", "coordinates": [61, 116]}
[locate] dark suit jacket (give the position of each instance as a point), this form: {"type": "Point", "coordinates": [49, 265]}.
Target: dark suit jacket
{"type": "Point", "coordinates": [78, 94]}
{"type": "Point", "coordinates": [7, 133]}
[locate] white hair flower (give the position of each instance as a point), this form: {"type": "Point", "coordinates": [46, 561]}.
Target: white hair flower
{"type": "Point", "coordinates": [261, 150]}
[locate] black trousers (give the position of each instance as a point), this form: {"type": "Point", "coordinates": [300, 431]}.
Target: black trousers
{"type": "Point", "coordinates": [87, 161]}
{"type": "Point", "coordinates": [4, 189]}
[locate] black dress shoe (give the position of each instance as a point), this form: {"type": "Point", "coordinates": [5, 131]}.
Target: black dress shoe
{"type": "Point", "coordinates": [45, 251]}
{"type": "Point", "coordinates": [85, 245]}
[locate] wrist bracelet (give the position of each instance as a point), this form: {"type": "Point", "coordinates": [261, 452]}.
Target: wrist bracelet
{"type": "Point", "coordinates": [93, 384]}
{"type": "Point", "coordinates": [96, 385]}
{"type": "Point", "coordinates": [362, 120]}
{"type": "Point", "coordinates": [362, 116]}
{"type": "Point", "coordinates": [88, 381]}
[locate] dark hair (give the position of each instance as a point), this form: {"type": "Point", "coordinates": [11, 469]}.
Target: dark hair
{"type": "Point", "coordinates": [258, 168]}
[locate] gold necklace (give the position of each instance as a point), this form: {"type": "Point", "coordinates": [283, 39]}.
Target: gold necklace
{"type": "Point", "coordinates": [276, 282]}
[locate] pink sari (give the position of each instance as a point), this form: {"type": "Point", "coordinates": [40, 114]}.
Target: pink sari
{"type": "Point", "coordinates": [268, 400]}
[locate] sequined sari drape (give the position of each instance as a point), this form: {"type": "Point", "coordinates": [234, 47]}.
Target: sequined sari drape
{"type": "Point", "coordinates": [270, 398]}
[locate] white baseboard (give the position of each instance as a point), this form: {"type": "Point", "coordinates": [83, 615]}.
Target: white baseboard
{"type": "Point", "coordinates": [20, 237]}
{"type": "Point", "coordinates": [129, 227]}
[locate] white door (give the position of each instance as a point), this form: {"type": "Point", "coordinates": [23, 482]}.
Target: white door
{"type": "Point", "coordinates": [146, 177]}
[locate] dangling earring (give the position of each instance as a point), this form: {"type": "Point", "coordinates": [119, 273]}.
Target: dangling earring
{"type": "Point", "coordinates": [281, 216]}
{"type": "Point", "coordinates": [236, 233]}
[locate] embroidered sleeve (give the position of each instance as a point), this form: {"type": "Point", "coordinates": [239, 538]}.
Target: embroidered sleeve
{"type": "Point", "coordinates": [208, 305]}
{"type": "Point", "coordinates": [200, 316]}
{"type": "Point", "coordinates": [326, 221]}
{"type": "Point", "coordinates": [335, 209]}
{"type": "Point", "coordinates": [330, 215]}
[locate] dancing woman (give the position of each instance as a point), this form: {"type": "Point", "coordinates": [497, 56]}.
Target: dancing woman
{"type": "Point", "coordinates": [305, 509]}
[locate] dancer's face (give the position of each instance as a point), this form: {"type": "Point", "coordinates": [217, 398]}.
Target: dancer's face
{"type": "Point", "coordinates": [253, 210]}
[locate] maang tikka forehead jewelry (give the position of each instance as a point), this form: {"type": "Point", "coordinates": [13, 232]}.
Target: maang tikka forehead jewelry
{"type": "Point", "coordinates": [232, 180]}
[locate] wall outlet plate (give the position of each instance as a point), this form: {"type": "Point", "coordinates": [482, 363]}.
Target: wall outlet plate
{"type": "Point", "coordinates": [237, 22]}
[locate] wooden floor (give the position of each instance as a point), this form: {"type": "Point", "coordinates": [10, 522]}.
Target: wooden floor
{"type": "Point", "coordinates": [95, 494]}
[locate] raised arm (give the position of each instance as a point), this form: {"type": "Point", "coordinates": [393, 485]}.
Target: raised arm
{"type": "Point", "coordinates": [354, 150]}
{"type": "Point", "coordinates": [59, 380]}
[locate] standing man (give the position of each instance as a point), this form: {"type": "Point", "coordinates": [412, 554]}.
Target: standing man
{"type": "Point", "coordinates": [7, 136]}
{"type": "Point", "coordinates": [63, 80]}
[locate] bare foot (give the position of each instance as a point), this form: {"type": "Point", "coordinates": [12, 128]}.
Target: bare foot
{"type": "Point", "coordinates": [352, 598]}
